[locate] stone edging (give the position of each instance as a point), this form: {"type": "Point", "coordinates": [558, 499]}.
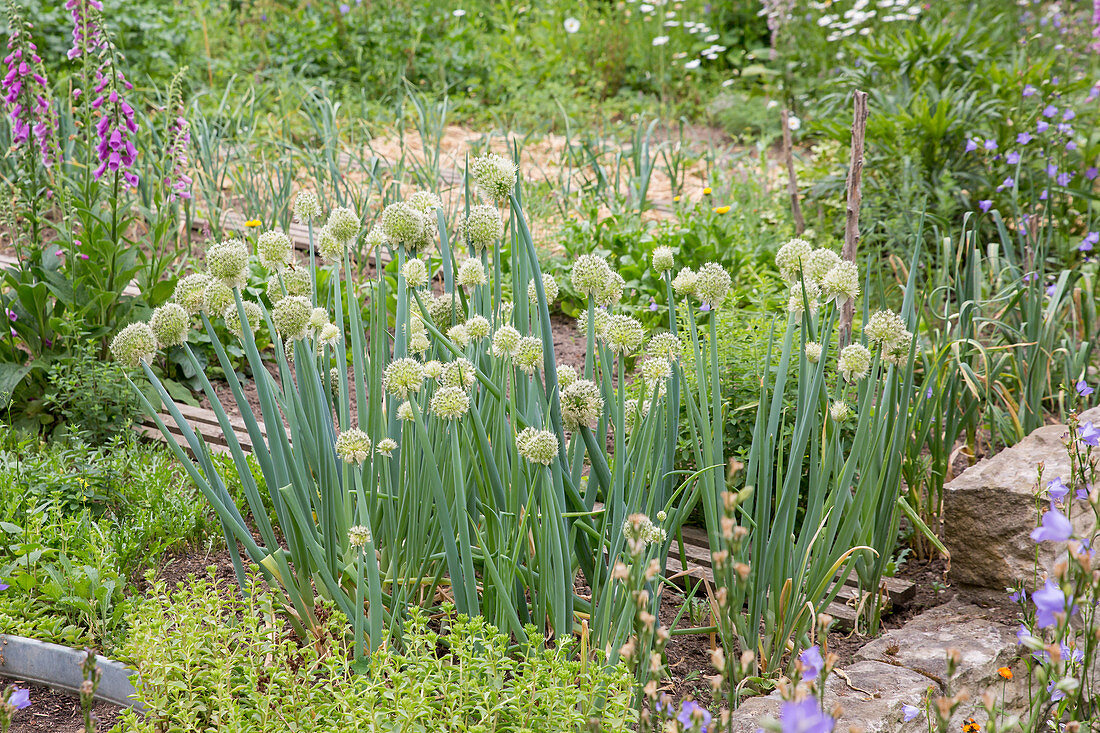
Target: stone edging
{"type": "Point", "coordinates": [58, 667]}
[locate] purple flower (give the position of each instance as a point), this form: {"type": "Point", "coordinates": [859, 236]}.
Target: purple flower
{"type": "Point", "coordinates": [692, 714]}
{"type": "Point", "coordinates": [1071, 145]}
{"type": "Point", "coordinates": [1055, 694]}
{"type": "Point", "coordinates": [1091, 172]}
{"type": "Point", "coordinates": [83, 256]}
{"type": "Point", "coordinates": [1030, 91]}
{"type": "Point", "coordinates": [804, 717]}
{"type": "Point", "coordinates": [1090, 240]}
{"type": "Point", "coordinates": [990, 144]}
{"type": "Point", "coordinates": [909, 712]}
{"type": "Point", "coordinates": [12, 316]}
{"type": "Point", "coordinates": [1083, 388]}
{"type": "Point", "coordinates": [1049, 600]}
{"type": "Point", "coordinates": [1018, 595]}
{"type": "Point", "coordinates": [1069, 115]}
{"type": "Point", "coordinates": [1063, 179]}
{"type": "Point", "coordinates": [652, 304]}
{"type": "Point", "coordinates": [1089, 435]}
{"type": "Point", "coordinates": [812, 663]}
{"type": "Point", "coordinates": [1055, 528]}
{"type": "Point", "coordinates": [1050, 110]}
{"type": "Point", "coordinates": [1082, 494]}
{"type": "Point", "coordinates": [178, 182]}
{"type": "Point", "coordinates": [1024, 138]}
{"type": "Point", "coordinates": [1042, 126]}
{"type": "Point", "coordinates": [1065, 129]}
{"type": "Point", "coordinates": [20, 698]}
{"type": "Point", "coordinates": [344, 8]}
{"type": "Point", "coordinates": [26, 94]}
{"type": "Point", "coordinates": [928, 393]}
{"type": "Point", "coordinates": [1052, 170]}
{"type": "Point", "coordinates": [1045, 194]}
{"type": "Point", "coordinates": [1057, 489]}
{"type": "Point", "coordinates": [704, 306]}
{"type": "Point", "coordinates": [1012, 158]}
{"type": "Point", "coordinates": [87, 36]}
{"type": "Point", "coordinates": [985, 205]}
{"type": "Point", "coordinates": [4, 586]}
{"type": "Point", "coordinates": [971, 145]}
{"type": "Point", "coordinates": [1008, 182]}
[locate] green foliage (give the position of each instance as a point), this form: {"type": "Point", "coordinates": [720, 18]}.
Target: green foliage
{"type": "Point", "coordinates": [210, 657]}
{"type": "Point", "coordinates": [89, 398]}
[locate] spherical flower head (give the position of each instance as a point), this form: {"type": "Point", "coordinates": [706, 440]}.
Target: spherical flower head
{"type": "Point", "coordinates": [684, 282]}
{"type": "Point", "coordinates": [458, 373]}
{"type": "Point", "coordinates": [793, 258]}
{"type": "Point", "coordinates": [505, 310]}
{"type": "Point", "coordinates": [898, 352]}
{"type": "Point", "coordinates": [458, 335]}
{"type": "Point", "coordinates": [403, 376]}
{"type": "Point", "coordinates": [329, 335]}
{"type": "Point", "coordinates": [840, 411]}
{"type": "Point", "coordinates": [812, 350]}
{"type": "Point", "coordinates": [334, 380]}
{"type": "Point", "coordinates": [639, 531]}
{"type": "Point", "coordinates": [528, 356]}
{"type": "Point", "coordinates": [415, 272]}
{"type": "Point", "coordinates": [495, 176]}
{"type": "Point", "coordinates": [170, 324]}
{"type": "Point", "coordinates": [481, 227]}
{"type": "Point", "coordinates": [376, 237]}
{"type": "Point", "coordinates": [228, 262]}
{"type": "Point", "coordinates": [854, 362]}
{"type": "Point", "coordinates": [445, 310]}
{"type": "Point", "coordinates": [633, 410]}
{"type": "Point", "coordinates": [295, 280]}
{"type": "Point", "coordinates": [663, 259]}
{"type": "Point", "coordinates": [288, 352]}
{"type": "Point", "coordinates": [450, 403]}
{"type": "Point", "coordinates": [567, 375]}
{"type": "Point", "coordinates": [624, 334]}
{"type": "Point", "coordinates": [505, 341]}
{"type": "Point", "coordinates": [424, 201]}
{"type": "Point", "coordinates": [306, 207]}
{"type": "Point", "coordinates": [353, 446]}
{"type": "Point", "coordinates": [233, 318]}
{"type": "Point", "coordinates": [386, 447]}
{"type": "Point", "coordinates": [820, 261]}
{"type": "Point", "coordinates": [433, 369]}
{"type": "Point", "coordinates": [478, 327]}
{"type": "Point", "coordinates": [344, 224]}
{"type": "Point", "coordinates": [419, 343]}
{"type": "Point", "coordinates": [358, 536]}
{"type": "Point", "coordinates": [537, 446]}
{"type": "Point", "coordinates": [291, 317]}
{"type": "Point", "coordinates": [841, 283]}
{"type": "Point", "coordinates": [329, 247]}
{"type": "Point", "coordinates": [601, 321]}
{"type": "Point", "coordinates": [217, 297]}
{"type": "Point", "coordinates": [884, 328]}
{"type": "Point", "coordinates": [405, 412]}
{"type": "Point", "coordinates": [549, 286]}
{"type": "Point", "coordinates": [274, 250]}
{"type": "Point", "coordinates": [135, 344]}
{"type": "Point", "coordinates": [402, 223]}
{"type": "Point", "coordinates": [665, 346]}
{"type": "Point", "coordinates": [318, 319]}
{"type": "Point", "coordinates": [189, 292]}
{"type": "Point", "coordinates": [712, 283]}
{"type": "Point", "coordinates": [612, 292]}
{"type": "Point", "coordinates": [803, 294]}
{"type": "Point", "coordinates": [581, 404]}
{"type": "Point", "coordinates": [590, 275]}
{"type": "Point", "coordinates": [471, 273]}
{"type": "Point", "coordinates": [656, 372]}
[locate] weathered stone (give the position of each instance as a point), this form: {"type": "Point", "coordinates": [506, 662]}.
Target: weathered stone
{"type": "Point", "coordinates": [990, 511]}
{"type": "Point", "coordinates": [984, 645]}
{"type": "Point", "coordinates": [747, 718]}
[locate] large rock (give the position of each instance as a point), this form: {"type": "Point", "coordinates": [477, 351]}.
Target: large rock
{"type": "Point", "coordinates": [989, 510]}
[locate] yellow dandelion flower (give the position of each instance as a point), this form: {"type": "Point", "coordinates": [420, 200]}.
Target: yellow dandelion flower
{"type": "Point", "coordinates": [721, 209]}
{"type": "Point", "coordinates": [253, 223]}
{"type": "Point", "coordinates": [676, 199]}
{"type": "Point", "coordinates": [706, 191]}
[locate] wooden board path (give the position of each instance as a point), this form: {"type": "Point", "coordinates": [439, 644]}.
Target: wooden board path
{"type": "Point", "coordinates": [696, 567]}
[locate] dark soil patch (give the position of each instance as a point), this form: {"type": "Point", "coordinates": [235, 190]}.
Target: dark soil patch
{"type": "Point", "coordinates": [58, 712]}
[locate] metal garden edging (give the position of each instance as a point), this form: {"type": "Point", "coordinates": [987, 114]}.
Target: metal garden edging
{"type": "Point", "coordinates": [58, 667]}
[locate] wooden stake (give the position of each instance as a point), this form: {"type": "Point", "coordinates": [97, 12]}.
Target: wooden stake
{"type": "Point", "coordinates": [851, 223]}
{"type": "Point", "coordinates": [792, 183]}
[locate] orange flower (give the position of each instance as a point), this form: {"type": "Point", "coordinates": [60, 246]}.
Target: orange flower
{"type": "Point", "coordinates": [971, 726]}
{"type": "Point", "coordinates": [1005, 673]}
{"type": "Point", "coordinates": [721, 209]}
{"type": "Point", "coordinates": [253, 223]}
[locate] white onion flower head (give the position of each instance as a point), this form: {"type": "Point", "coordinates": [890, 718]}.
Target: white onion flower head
{"type": "Point", "coordinates": [898, 352]}
{"type": "Point", "coordinates": [601, 322]}
{"type": "Point", "coordinates": [376, 237]}
{"type": "Point", "coordinates": [403, 224]}
{"type": "Point", "coordinates": [419, 343]}
{"type": "Point", "coordinates": [885, 328]}
{"type": "Point", "coordinates": [295, 280]}
{"type": "Point", "coordinates": [433, 369]}
{"type": "Point", "coordinates": [684, 282]}
{"type": "Point", "coordinates": [405, 412]}
{"type": "Point", "coordinates": [135, 344]}
{"type": "Point", "coordinates": [590, 275]}
{"type": "Point", "coordinates": [458, 373]}
{"type": "Point", "coordinates": [228, 261]}
{"type": "Point", "coordinates": [803, 293]}
{"type": "Point", "coordinates": [415, 272]}
{"type": "Point", "coordinates": [567, 375]}
{"type": "Point", "coordinates": [819, 263]}
{"type": "Point", "coordinates": [458, 335]}
{"type": "Point", "coordinates": [528, 356]}
{"type": "Point", "coordinates": [471, 273]}
{"type": "Point", "coordinates": [613, 290]}
{"type": "Point", "coordinates": [840, 411]}
{"type": "Point", "coordinates": [344, 224]}
{"type": "Point", "coordinates": [624, 334]}
{"type": "Point", "coordinates": [330, 249]}
{"type": "Point", "coordinates": [482, 227]}
{"type": "Point", "coordinates": [841, 283]}
{"type": "Point", "coordinates": [190, 291]}
{"type": "Point", "coordinates": [505, 341]}
{"type": "Point", "coordinates": [233, 318]}
{"type": "Point", "coordinates": [812, 351]}
{"type": "Point", "coordinates": [656, 371]}
{"type": "Point", "coordinates": [549, 286]}
{"type": "Point", "coordinates": [425, 202]}
{"type": "Point", "coordinates": [386, 447]}
{"type": "Point", "coordinates": [445, 310]}
{"type": "Point", "coordinates": [358, 536]}
{"type": "Point", "coordinates": [170, 324]}
{"type": "Point", "coordinates": [306, 207]}
{"type": "Point", "coordinates": [712, 283]}
{"type": "Point", "coordinates": [639, 531]}
{"type": "Point", "coordinates": [450, 403]}
{"type": "Point", "coordinates": [329, 335]}
{"type": "Point", "coordinates": [353, 446]}
{"type": "Point", "coordinates": [291, 317]}
{"type": "Point", "coordinates": [478, 327]}
{"type": "Point", "coordinates": [581, 404]}
{"type": "Point", "coordinates": [288, 352]}
{"type": "Point", "coordinates": [318, 319]}
{"type": "Point", "coordinates": [663, 259]}
{"type": "Point", "coordinates": [665, 345]}
{"type": "Point", "coordinates": [274, 250]}
{"type": "Point", "coordinates": [217, 297]}
{"type": "Point", "coordinates": [403, 376]}
{"type": "Point", "coordinates": [495, 176]}
{"type": "Point", "coordinates": [793, 258]}
{"type": "Point", "coordinates": [506, 309]}
{"type": "Point", "coordinates": [633, 409]}
{"type": "Point", "coordinates": [854, 362]}
{"type": "Point", "coordinates": [334, 380]}
{"type": "Point", "coordinates": [537, 446]}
